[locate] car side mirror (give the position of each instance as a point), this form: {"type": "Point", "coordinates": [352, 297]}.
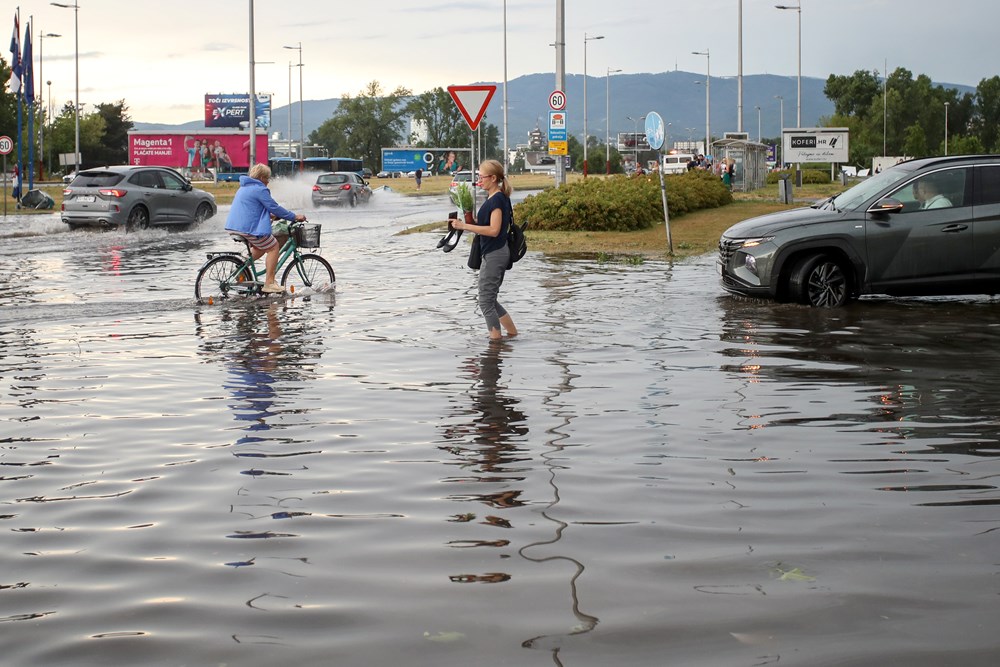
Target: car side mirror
{"type": "Point", "coordinates": [887, 205]}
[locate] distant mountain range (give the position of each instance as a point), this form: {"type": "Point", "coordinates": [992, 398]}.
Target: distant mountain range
{"type": "Point", "coordinates": [679, 97]}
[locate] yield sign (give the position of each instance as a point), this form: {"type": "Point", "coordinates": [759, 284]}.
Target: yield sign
{"type": "Point", "coordinates": [472, 99]}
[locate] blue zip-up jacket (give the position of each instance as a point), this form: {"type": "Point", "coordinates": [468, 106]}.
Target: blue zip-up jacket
{"type": "Point", "coordinates": [252, 208]}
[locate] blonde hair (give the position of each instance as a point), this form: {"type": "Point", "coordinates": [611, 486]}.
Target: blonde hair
{"type": "Point", "coordinates": [494, 168]}
{"type": "Point", "coordinates": [260, 171]}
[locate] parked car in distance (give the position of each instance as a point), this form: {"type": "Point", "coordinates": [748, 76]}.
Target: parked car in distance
{"type": "Point", "coordinates": [922, 227]}
{"type": "Point", "coordinates": [388, 174]}
{"type": "Point", "coordinates": [134, 197]}
{"type": "Point", "coordinates": [340, 187]}
{"type": "Point", "coordinates": [366, 173]}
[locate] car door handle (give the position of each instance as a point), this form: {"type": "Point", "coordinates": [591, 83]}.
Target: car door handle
{"type": "Point", "coordinates": [954, 228]}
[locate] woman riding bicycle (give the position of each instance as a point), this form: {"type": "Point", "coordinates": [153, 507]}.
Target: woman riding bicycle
{"type": "Point", "coordinates": [250, 217]}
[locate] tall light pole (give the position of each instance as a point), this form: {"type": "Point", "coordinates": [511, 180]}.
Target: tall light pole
{"type": "Point", "coordinates": [41, 67]}
{"type": "Point", "coordinates": [506, 153]}
{"type": "Point", "coordinates": [302, 126]}
{"type": "Point", "coordinates": [798, 115]}
{"type": "Point", "coordinates": [76, 59]}
{"type": "Point", "coordinates": [781, 122]}
{"type": "Point", "coordinates": [288, 139]}
{"type": "Point", "coordinates": [946, 128]}
{"type": "Point", "coordinates": [758, 124]}
{"type": "Point", "coordinates": [635, 136]}
{"type": "Point", "coordinates": [607, 128]}
{"type": "Point", "coordinates": [585, 40]}
{"type": "Point", "coordinates": [708, 97]}
{"type": "Point", "coordinates": [48, 117]}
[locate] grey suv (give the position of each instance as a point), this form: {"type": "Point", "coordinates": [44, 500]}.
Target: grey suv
{"type": "Point", "coordinates": [134, 197]}
{"type": "Point", "coordinates": [922, 227]}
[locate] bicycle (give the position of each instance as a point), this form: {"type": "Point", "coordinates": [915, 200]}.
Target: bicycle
{"type": "Point", "coordinates": [228, 273]}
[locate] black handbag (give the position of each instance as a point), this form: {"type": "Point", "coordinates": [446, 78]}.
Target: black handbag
{"type": "Point", "coordinates": [475, 257]}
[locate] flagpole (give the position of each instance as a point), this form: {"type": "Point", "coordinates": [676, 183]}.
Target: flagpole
{"type": "Point", "coordinates": [29, 98]}
{"type": "Point", "coordinates": [20, 87]}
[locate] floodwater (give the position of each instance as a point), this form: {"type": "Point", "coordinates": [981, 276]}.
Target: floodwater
{"type": "Point", "coordinates": [652, 473]}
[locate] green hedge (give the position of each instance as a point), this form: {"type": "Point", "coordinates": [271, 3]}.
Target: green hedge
{"type": "Point", "coordinates": [621, 203]}
{"type": "Point", "coordinates": [808, 176]}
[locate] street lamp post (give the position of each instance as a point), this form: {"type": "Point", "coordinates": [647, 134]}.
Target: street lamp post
{"type": "Point", "coordinates": [585, 40]}
{"type": "Point", "coordinates": [946, 128]}
{"type": "Point", "coordinates": [798, 101]}
{"type": "Point", "coordinates": [607, 127]}
{"type": "Point", "coordinates": [708, 96]}
{"type": "Point", "coordinates": [302, 131]}
{"type": "Point", "coordinates": [758, 125]}
{"type": "Point", "coordinates": [41, 77]}
{"type": "Point", "coordinates": [288, 139]}
{"type": "Point", "coordinates": [48, 117]}
{"type": "Point", "coordinates": [635, 137]}
{"type": "Point", "coordinates": [76, 59]}
{"type": "Point", "coordinates": [781, 122]}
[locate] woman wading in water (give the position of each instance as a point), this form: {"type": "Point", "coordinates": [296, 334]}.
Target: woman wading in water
{"type": "Point", "coordinates": [492, 223]}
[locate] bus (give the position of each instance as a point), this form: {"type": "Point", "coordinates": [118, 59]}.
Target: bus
{"type": "Point", "coordinates": [289, 166]}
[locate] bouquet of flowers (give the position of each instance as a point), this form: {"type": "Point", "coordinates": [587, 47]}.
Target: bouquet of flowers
{"type": "Point", "coordinates": [462, 198]}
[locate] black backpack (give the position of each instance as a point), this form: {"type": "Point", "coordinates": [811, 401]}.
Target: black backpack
{"type": "Point", "coordinates": [516, 243]}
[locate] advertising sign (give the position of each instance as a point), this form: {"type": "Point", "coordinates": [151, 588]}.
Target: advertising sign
{"type": "Point", "coordinates": [405, 159]}
{"type": "Point", "coordinates": [431, 160]}
{"type": "Point", "coordinates": [225, 110]}
{"type": "Point", "coordinates": [557, 126]}
{"type": "Point", "coordinates": [627, 141]}
{"type": "Point", "coordinates": [230, 150]}
{"type": "Point", "coordinates": [814, 144]}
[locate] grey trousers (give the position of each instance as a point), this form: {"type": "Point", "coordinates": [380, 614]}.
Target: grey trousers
{"type": "Point", "coordinates": [490, 278]}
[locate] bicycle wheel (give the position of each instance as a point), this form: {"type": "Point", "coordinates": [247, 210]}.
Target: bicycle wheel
{"type": "Point", "coordinates": [219, 277]}
{"type": "Point", "coordinates": [309, 272]}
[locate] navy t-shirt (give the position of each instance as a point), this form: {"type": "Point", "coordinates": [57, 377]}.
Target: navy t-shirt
{"type": "Point", "coordinates": [497, 201]}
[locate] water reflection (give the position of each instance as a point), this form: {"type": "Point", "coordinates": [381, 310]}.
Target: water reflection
{"type": "Point", "coordinates": [922, 389]}
{"type": "Point", "coordinates": [489, 446]}
{"type": "Point", "coordinates": [269, 357]}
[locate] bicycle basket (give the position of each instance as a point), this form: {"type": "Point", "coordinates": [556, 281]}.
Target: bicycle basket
{"type": "Point", "coordinates": [307, 235]}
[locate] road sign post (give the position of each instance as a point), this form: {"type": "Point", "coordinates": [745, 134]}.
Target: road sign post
{"type": "Point", "coordinates": [6, 146]}
{"type": "Point", "coordinates": [472, 102]}
{"type": "Point", "coordinates": [655, 136]}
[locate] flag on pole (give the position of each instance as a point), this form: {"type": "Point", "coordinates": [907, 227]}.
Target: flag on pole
{"type": "Point", "coordinates": [27, 71]}
{"type": "Point", "coordinates": [15, 60]}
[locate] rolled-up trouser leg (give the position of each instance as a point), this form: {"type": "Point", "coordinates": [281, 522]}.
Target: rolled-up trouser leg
{"type": "Point", "coordinates": [490, 278]}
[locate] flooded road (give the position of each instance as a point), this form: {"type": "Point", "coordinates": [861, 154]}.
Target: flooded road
{"type": "Point", "coordinates": [653, 473]}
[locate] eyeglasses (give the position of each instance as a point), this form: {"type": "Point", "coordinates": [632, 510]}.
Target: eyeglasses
{"type": "Point", "coordinates": [482, 176]}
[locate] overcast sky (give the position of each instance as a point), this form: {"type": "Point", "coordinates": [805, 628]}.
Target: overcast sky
{"type": "Point", "coordinates": [163, 57]}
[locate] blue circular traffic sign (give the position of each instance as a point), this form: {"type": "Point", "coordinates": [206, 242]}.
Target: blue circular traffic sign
{"type": "Point", "coordinates": [654, 130]}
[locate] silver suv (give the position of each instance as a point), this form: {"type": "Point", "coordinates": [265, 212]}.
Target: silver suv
{"type": "Point", "coordinates": [134, 198]}
{"type": "Point", "coordinates": [922, 227]}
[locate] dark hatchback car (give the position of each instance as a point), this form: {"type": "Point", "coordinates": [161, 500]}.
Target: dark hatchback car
{"type": "Point", "coordinates": [134, 197]}
{"type": "Point", "coordinates": [340, 187]}
{"type": "Point", "coordinates": [922, 227]}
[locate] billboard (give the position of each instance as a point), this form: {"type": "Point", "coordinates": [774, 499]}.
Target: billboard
{"type": "Point", "coordinates": [229, 149]}
{"type": "Point", "coordinates": [627, 141]}
{"type": "Point", "coordinates": [814, 144]}
{"type": "Point", "coordinates": [431, 160]}
{"type": "Point", "coordinates": [233, 110]}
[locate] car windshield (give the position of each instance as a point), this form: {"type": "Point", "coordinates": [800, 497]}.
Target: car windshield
{"type": "Point", "coordinates": [866, 189]}
{"type": "Point", "coordinates": [332, 179]}
{"type": "Point", "coordinates": [97, 179]}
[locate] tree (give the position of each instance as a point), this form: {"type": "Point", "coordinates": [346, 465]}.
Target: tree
{"type": "Point", "coordinates": [986, 117]}
{"type": "Point", "coordinates": [361, 126]}
{"type": "Point", "coordinates": [113, 148]}
{"type": "Point", "coordinates": [446, 128]}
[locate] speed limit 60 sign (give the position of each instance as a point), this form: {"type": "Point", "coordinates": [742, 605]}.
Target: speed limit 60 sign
{"type": "Point", "coordinates": [6, 145]}
{"type": "Point", "coordinates": [557, 100]}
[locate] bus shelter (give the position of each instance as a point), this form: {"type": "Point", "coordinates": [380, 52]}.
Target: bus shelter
{"type": "Point", "coordinates": [750, 158]}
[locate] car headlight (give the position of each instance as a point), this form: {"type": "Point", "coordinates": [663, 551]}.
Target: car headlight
{"type": "Point", "coordinates": [750, 262]}
{"type": "Point", "coordinates": [751, 243]}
